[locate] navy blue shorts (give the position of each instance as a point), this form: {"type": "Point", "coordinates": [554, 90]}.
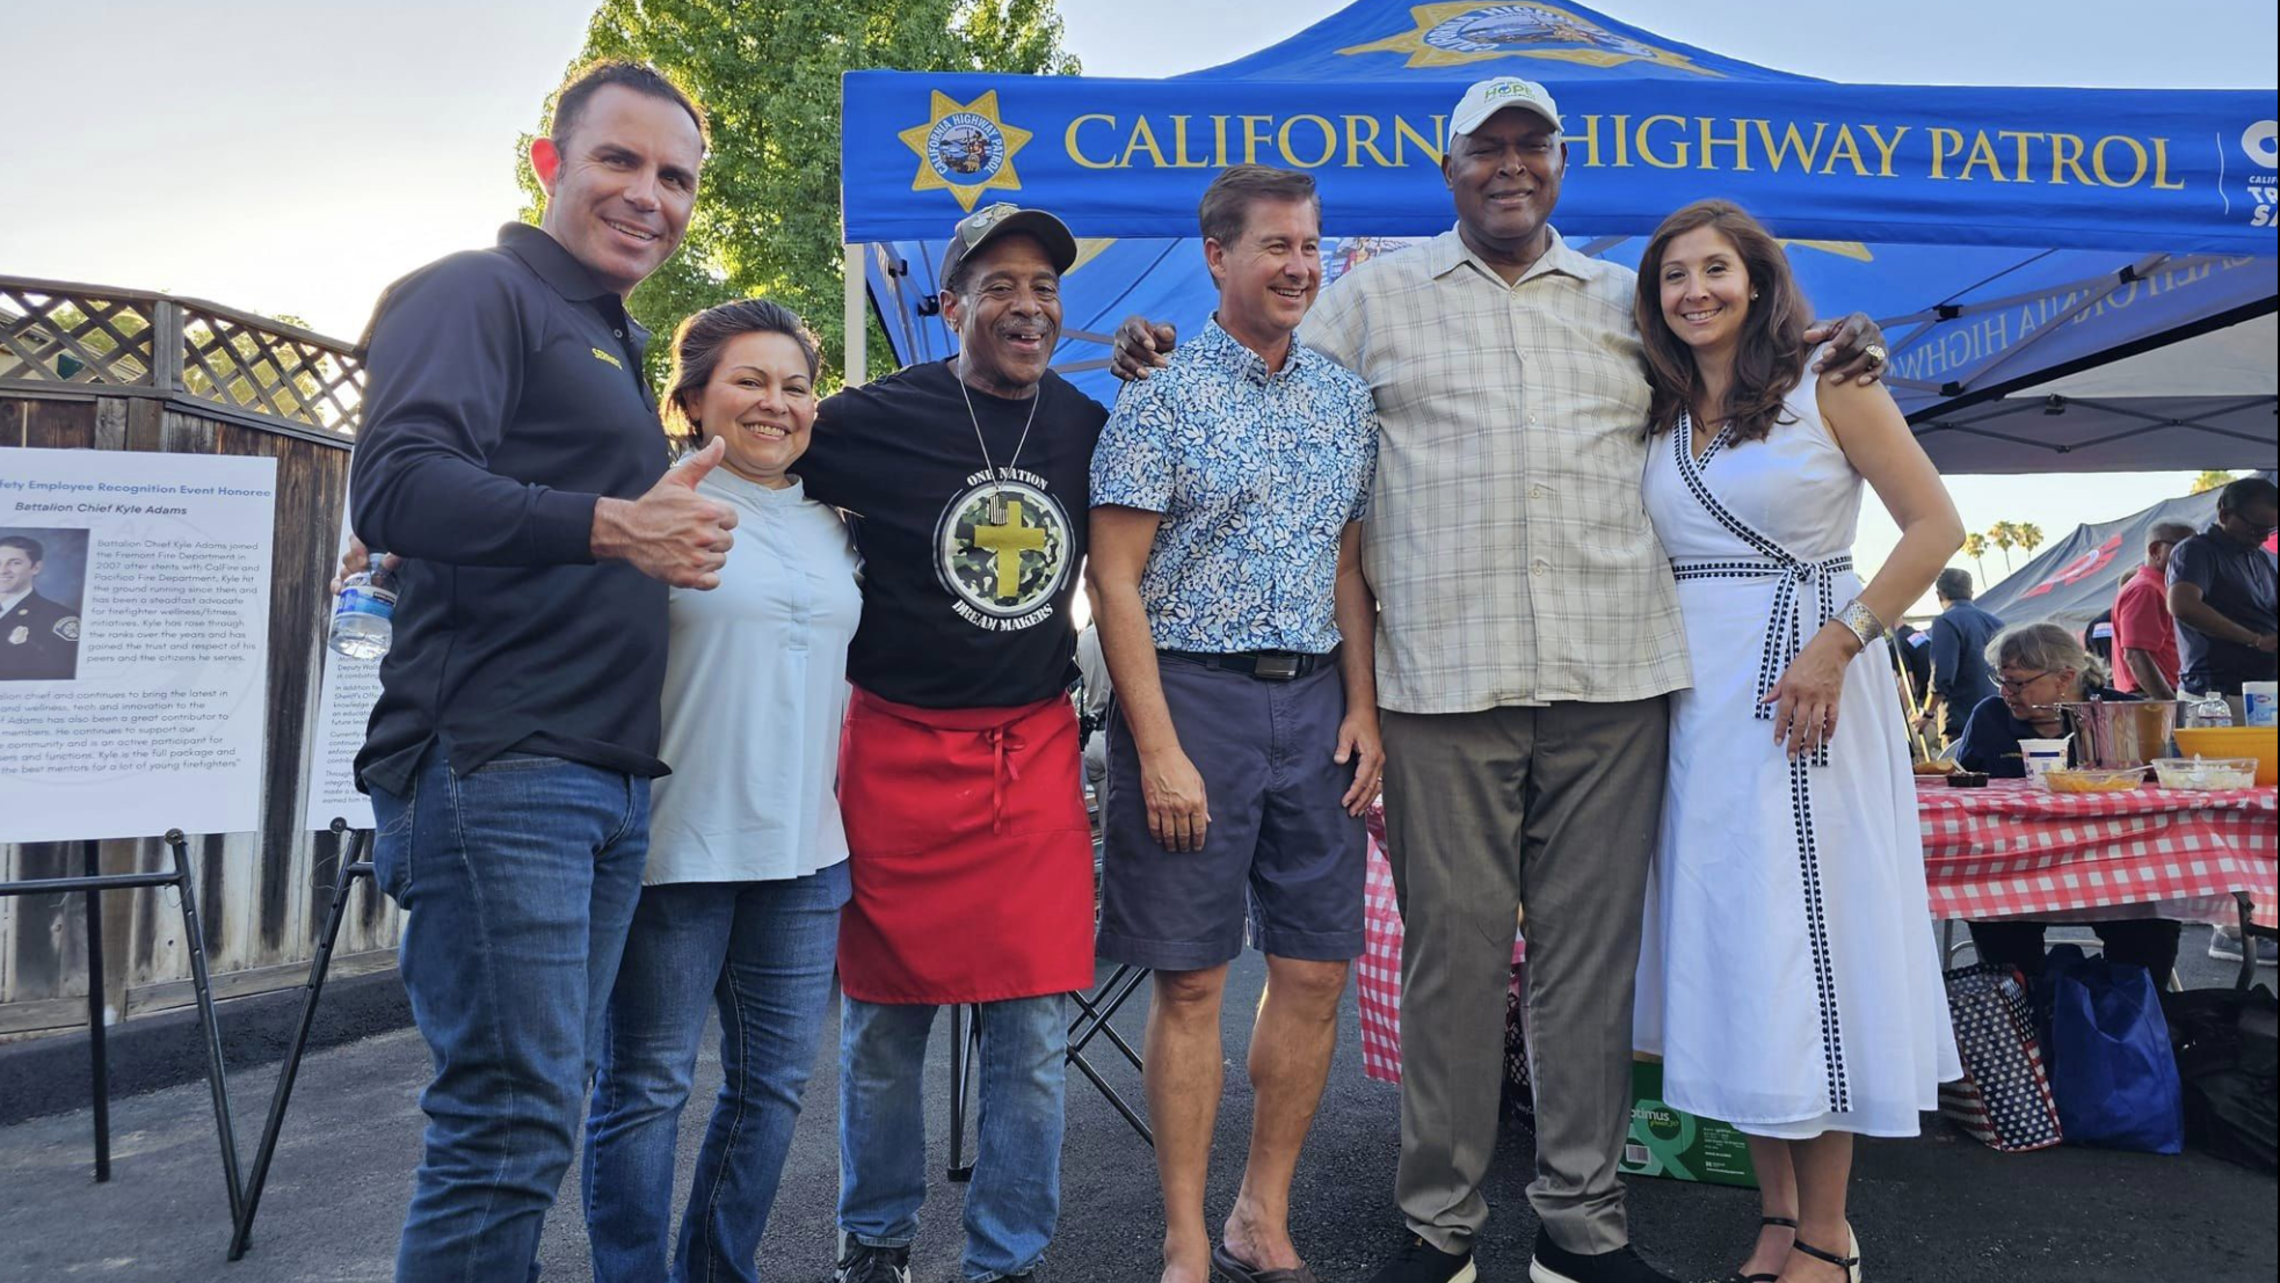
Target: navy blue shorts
{"type": "Point", "coordinates": [1277, 830]}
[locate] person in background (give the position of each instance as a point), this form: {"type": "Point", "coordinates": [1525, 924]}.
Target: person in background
{"type": "Point", "coordinates": [1959, 643]}
{"type": "Point", "coordinates": [2221, 593]}
{"type": "Point", "coordinates": [2145, 638]}
{"type": "Point", "coordinates": [2098, 636]}
{"type": "Point", "coordinates": [1093, 692]}
{"type": "Point", "coordinates": [2038, 667]}
{"type": "Point", "coordinates": [2221, 597]}
{"type": "Point", "coordinates": [1912, 658]}
{"type": "Point", "coordinates": [510, 456]}
{"type": "Point", "coordinates": [747, 872]}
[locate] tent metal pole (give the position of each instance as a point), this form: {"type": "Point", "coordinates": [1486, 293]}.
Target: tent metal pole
{"type": "Point", "coordinates": [2129, 275]}
{"type": "Point", "coordinates": [2089, 291]}
{"type": "Point", "coordinates": [858, 333]}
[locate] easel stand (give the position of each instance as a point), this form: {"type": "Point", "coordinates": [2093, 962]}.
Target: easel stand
{"type": "Point", "coordinates": [1094, 1012]}
{"type": "Point", "coordinates": [92, 883]}
{"type": "Point", "coordinates": [354, 864]}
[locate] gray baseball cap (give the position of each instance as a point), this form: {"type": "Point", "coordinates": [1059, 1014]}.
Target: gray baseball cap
{"type": "Point", "coordinates": [988, 223]}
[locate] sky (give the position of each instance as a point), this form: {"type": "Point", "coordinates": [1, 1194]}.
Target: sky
{"type": "Point", "coordinates": [291, 158]}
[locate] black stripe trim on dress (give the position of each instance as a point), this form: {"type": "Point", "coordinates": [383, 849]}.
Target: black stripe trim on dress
{"type": "Point", "coordinates": [1784, 639]}
{"type": "Point", "coordinates": [1784, 635]}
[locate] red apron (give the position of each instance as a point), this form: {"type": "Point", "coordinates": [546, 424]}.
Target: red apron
{"type": "Point", "coordinates": [969, 851]}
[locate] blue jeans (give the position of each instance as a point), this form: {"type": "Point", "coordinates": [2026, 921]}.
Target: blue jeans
{"type": "Point", "coordinates": [1015, 1197]}
{"type": "Point", "coordinates": [762, 952]}
{"type": "Point", "coordinates": [517, 882]}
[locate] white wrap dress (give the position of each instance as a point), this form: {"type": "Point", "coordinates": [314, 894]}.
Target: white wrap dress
{"type": "Point", "coordinates": [1788, 977]}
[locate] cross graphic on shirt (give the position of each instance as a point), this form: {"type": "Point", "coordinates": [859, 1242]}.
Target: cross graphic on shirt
{"type": "Point", "coordinates": [1009, 541]}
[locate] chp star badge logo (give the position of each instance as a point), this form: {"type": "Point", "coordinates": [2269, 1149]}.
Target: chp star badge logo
{"type": "Point", "coordinates": [965, 149]}
{"type": "Point", "coordinates": [1466, 31]}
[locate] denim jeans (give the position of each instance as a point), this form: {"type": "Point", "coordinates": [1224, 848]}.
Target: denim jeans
{"type": "Point", "coordinates": [1015, 1196]}
{"type": "Point", "coordinates": [517, 882]}
{"type": "Point", "coordinates": [762, 953]}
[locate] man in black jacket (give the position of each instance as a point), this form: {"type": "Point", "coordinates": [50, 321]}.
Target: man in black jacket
{"type": "Point", "coordinates": [511, 455]}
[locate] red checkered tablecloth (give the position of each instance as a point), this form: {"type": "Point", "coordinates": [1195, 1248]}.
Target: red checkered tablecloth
{"type": "Point", "coordinates": [2011, 850]}
{"type": "Point", "coordinates": [2007, 850]}
{"type": "Point", "coordinates": [1377, 975]}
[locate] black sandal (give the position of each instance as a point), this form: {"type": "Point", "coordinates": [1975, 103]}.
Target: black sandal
{"type": "Point", "coordinates": [1739, 1277]}
{"type": "Point", "coordinates": [1849, 1264]}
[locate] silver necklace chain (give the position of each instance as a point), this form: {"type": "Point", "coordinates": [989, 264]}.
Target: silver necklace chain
{"type": "Point", "coordinates": [997, 488]}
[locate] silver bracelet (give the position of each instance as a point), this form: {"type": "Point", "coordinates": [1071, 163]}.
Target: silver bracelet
{"type": "Point", "coordinates": [1861, 622]}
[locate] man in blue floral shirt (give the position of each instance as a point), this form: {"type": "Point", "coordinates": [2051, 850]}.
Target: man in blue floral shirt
{"type": "Point", "coordinates": [1227, 498]}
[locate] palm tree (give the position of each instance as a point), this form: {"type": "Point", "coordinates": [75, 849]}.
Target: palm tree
{"type": "Point", "coordinates": [2210, 480]}
{"type": "Point", "coordinates": [2029, 535]}
{"type": "Point", "coordinates": [1975, 547]}
{"type": "Point", "coordinates": [2004, 535]}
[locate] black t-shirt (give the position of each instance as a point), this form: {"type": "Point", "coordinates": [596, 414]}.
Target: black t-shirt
{"type": "Point", "coordinates": [967, 578]}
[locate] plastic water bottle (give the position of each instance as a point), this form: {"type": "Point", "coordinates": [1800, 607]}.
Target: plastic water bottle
{"type": "Point", "coordinates": [363, 615]}
{"type": "Point", "coordinates": [2209, 710]}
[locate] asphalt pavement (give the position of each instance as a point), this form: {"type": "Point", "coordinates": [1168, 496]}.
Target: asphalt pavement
{"type": "Point", "coordinates": [1935, 1209]}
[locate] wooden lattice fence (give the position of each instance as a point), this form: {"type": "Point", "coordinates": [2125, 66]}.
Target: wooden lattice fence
{"type": "Point", "coordinates": [53, 333]}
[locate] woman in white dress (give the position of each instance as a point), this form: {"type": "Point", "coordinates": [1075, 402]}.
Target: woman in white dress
{"type": "Point", "coordinates": [1789, 977]}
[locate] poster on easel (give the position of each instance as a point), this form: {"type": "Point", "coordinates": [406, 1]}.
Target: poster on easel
{"type": "Point", "coordinates": [134, 642]}
{"type": "Point", "coordinates": [344, 707]}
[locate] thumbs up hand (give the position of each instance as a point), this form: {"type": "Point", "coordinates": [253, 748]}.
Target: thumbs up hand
{"type": "Point", "coordinates": [672, 532]}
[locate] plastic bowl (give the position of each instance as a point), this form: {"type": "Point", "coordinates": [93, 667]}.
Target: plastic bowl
{"type": "Point", "coordinates": [2259, 742]}
{"type": "Point", "coordinates": [2205, 774]}
{"type": "Point", "coordinates": [2093, 779]}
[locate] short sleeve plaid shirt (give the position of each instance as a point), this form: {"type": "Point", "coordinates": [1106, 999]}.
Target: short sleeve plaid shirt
{"type": "Point", "coordinates": [1508, 546]}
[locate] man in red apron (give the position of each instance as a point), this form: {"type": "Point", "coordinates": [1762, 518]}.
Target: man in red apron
{"type": "Point", "coordinates": [960, 774]}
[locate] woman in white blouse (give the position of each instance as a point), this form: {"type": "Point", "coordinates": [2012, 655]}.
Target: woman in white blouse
{"type": "Point", "coordinates": [747, 861]}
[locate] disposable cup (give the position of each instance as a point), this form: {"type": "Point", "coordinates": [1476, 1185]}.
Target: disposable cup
{"type": "Point", "coordinates": [2041, 755]}
{"type": "Point", "coordinates": [2257, 700]}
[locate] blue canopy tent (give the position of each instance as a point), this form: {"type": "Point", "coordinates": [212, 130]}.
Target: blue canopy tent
{"type": "Point", "coordinates": [2005, 238]}
{"type": "Point", "coordinates": [2074, 579]}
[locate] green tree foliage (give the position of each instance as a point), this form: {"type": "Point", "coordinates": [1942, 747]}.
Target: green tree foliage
{"type": "Point", "coordinates": [2029, 535]}
{"type": "Point", "coordinates": [1975, 547]}
{"type": "Point", "coordinates": [2213, 479]}
{"type": "Point", "coordinates": [767, 72]}
{"type": "Point", "coordinates": [2004, 535]}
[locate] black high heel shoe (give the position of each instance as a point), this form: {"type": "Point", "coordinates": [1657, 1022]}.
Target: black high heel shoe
{"type": "Point", "coordinates": [1849, 1264]}
{"type": "Point", "coordinates": [1739, 1277]}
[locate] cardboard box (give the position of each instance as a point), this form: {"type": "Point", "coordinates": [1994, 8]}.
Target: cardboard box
{"type": "Point", "coordinates": [1679, 1146]}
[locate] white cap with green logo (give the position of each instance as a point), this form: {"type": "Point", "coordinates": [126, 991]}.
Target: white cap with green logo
{"type": "Point", "coordinates": [1487, 97]}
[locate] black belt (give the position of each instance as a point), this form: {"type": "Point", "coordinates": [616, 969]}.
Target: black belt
{"type": "Point", "coordinates": [1265, 665]}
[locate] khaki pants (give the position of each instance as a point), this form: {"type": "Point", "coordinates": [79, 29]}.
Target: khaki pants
{"type": "Point", "coordinates": [1558, 808]}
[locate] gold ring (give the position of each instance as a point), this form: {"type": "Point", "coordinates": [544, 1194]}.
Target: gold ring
{"type": "Point", "coordinates": [1875, 353]}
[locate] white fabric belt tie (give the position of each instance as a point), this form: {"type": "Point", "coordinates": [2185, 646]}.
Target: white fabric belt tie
{"type": "Point", "coordinates": [1785, 633]}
